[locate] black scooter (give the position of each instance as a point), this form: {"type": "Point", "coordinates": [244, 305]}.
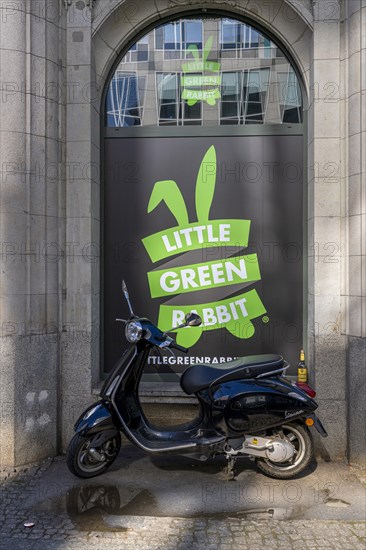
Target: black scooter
{"type": "Point", "coordinates": [246, 408]}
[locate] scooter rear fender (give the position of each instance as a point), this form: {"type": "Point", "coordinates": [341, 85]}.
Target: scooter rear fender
{"type": "Point", "coordinates": [318, 425]}
{"type": "Point", "coordinates": [95, 418]}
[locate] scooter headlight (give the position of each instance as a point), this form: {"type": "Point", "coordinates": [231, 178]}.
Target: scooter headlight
{"type": "Point", "coordinates": [133, 331]}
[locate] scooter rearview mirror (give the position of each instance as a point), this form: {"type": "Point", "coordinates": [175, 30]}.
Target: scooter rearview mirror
{"type": "Point", "coordinates": [124, 288]}
{"type": "Point", "coordinates": [193, 320]}
{"type": "Point", "coordinates": [126, 295]}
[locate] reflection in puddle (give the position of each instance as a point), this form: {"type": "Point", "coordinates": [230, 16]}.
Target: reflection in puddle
{"type": "Point", "coordinates": [88, 506]}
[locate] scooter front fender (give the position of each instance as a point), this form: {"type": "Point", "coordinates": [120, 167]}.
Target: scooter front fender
{"type": "Point", "coordinates": [95, 418]}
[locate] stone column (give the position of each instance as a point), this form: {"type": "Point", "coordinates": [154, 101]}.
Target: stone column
{"type": "Point", "coordinates": [80, 337]}
{"type": "Point", "coordinates": [354, 287]}
{"type": "Point", "coordinates": [327, 344]}
{"type": "Point", "coordinates": [31, 194]}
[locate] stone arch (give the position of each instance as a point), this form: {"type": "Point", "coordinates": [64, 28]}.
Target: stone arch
{"type": "Point", "coordinates": [114, 28]}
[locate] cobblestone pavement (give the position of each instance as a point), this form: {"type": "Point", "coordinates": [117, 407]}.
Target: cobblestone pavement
{"type": "Point", "coordinates": [60, 528]}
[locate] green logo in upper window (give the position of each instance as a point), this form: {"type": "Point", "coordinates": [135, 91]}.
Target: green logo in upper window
{"type": "Point", "coordinates": [204, 86]}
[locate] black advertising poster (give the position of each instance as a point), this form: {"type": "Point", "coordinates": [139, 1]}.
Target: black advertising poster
{"type": "Point", "coordinates": [212, 225]}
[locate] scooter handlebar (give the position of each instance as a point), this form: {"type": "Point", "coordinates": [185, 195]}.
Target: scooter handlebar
{"type": "Point", "coordinates": [178, 347]}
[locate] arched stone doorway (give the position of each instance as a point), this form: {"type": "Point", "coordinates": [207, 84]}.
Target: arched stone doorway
{"type": "Point", "coordinates": [207, 106]}
{"type": "Point", "coordinates": [113, 29]}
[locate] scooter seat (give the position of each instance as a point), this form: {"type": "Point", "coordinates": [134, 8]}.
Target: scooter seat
{"type": "Point", "coordinates": [199, 377]}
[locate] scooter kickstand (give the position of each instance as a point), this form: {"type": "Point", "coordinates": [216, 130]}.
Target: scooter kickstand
{"type": "Point", "coordinates": [230, 472]}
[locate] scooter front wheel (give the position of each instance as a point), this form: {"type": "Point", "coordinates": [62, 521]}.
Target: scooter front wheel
{"type": "Point", "coordinates": [84, 460]}
{"type": "Point", "coordinates": [299, 436]}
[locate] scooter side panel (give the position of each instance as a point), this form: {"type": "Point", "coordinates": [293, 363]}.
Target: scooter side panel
{"type": "Point", "coordinates": [249, 406]}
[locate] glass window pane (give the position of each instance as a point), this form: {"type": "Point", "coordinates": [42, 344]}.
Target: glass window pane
{"type": "Point", "coordinates": [254, 38]}
{"type": "Point", "coordinates": [291, 115]}
{"type": "Point", "coordinates": [248, 78]}
{"type": "Point", "coordinates": [169, 34]}
{"type": "Point", "coordinates": [231, 97]}
{"type": "Point", "coordinates": [254, 108]}
{"type": "Point", "coordinates": [167, 96]}
{"type": "Point", "coordinates": [172, 36]}
{"type": "Point", "coordinates": [193, 33]}
{"type": "Point", "coordinates": [230, 89]}
{"type": "Point", "coordinates": [293, 90]}
{"type": "Point", "coordinates": [282, 87]}
{"type": "Point", "coordinates": [159, 38]}
{"type": "Point", "coordinates": [229, 35]}
{"type": "Point", "coordinates": [130, 121]}
{"type": "Point", "coordinates": [246, 36]}
{"type": "Point", "coordinates": [168, 111]}
{"type": "Point", "coordinates": [193, 111]}
{"type": "Point", "coordinates": [123, 100]}
{"type": "Point", "coordinates": [256, 83]}
{"type": "Point", "coordinates": [167, 90]}
{"type": "Point", "coordinates": [229, 109]}
{"type": "Point", "coordinates": [253, 85]}
{"type": "Point", "coordinates": [143, 53]}
{"type": "Point", "coordinates": [264, 79]}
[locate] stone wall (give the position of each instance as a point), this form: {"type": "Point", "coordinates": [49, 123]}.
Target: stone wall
{"type": "Point", "coordinates": [32, 221]}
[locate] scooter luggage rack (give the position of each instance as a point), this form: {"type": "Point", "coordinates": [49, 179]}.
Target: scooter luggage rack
{"type": "Point", "coordinates": [271, 373]}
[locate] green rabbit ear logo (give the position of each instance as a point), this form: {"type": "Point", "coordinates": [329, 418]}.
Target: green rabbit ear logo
{"type": "Point", "coordinates": [169, 192]}
{"type": "Point", "coordinates": [235, 314]}
{"type": "Point", "coordinates": [206, 50]}
{"type": "Point", "coordinates": [194, 51]}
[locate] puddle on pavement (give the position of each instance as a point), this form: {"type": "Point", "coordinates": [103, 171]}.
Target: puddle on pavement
{"type": "Point", "coordinates": [87, 506]}
{"type": "Point", "coordinates": [102, 507]}
{"type": "Point", "coordinates": [112, 508]}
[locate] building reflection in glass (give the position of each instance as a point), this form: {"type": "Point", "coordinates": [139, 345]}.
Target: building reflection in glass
{"type": "Point", "coordinates": [254, 83]}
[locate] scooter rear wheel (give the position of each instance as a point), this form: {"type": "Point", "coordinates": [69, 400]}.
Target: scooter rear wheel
{"type": "Point", "coordinates": [301, 439]}
{"type": "Point", "coordinates": [86, 461]}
